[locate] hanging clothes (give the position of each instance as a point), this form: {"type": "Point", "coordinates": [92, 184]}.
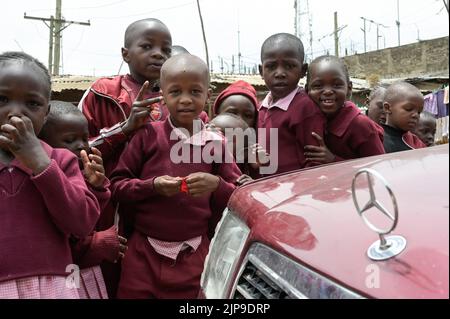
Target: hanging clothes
{"type": "Point", "coordinates": [430, 104]}
{"type": "Point", "coordinates": [446, 95]}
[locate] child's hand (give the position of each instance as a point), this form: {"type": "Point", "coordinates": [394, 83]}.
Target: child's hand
{"type": "Point", "coordinates": [262, 157]}
{"type": "Point", "coordinates": [244, 179]}
{"type": "Point", "coordinates": [320, 154]}
{"type": "Point", "coordinates": [112, 247]}
{"type": "Point", "coordinates": [167, 185]}
{"type": "Point", "coordinates": [94, 172]}
{"type": "Point", "coordinates": [19, 139]}
{"type": "Point", "coordinates": [140, 111]}
{"type": "Point", "coordinates": [122, 247]}
{"type": "Point", "coordinates": [201, 184]}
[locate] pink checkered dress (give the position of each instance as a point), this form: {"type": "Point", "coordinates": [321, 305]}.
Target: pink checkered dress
{"type": "Point", "coordinates": [92, 284]}
{"type": "Point", "coordinates": [37, 287]}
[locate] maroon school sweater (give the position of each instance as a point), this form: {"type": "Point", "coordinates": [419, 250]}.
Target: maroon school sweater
{"type": "Point", "coordinates": [177, 218]}
{"type": "Point", "coordinates": [351, 134]}
{"type": "Point", "coordinates": [38, 213]}
{"type": "Point", "coordinates": [295, 127]}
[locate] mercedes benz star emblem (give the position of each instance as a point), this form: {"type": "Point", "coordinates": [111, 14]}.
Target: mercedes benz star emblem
{"type": "Point", "coordinates": [386, 247]}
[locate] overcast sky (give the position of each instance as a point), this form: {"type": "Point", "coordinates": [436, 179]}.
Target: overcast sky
{"type": "Point", "coordinates": [95, 49]}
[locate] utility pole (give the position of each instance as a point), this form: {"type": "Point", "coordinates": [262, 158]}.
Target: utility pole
{"type": "Point", "coordinates": [50, 44]}
{"type": "Point", "coordinates": [232, 64]}
{"type": "Point", "coordinates": [378, 25]}
{"type": "Point", "coordinates": [336, 37]}
{"type": "Point", "coordinates": [56, 26]}
{"type": "Point", "coordinates": [239, 47]}
{"type": "Point", "coordinates": [203, 31]}
{"type": "Point", "coordinates": [302, 24]}
{"type": "Point", "coordinates": [57, 55]}
{"type": "Point", "coordinates": [365, 38]}
{"type": "Point", "coordinates": [398, 21]}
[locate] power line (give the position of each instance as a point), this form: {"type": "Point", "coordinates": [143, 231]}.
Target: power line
{"type": "Point", "coordinates": [56, 25]}
{"type": "Point", "coordinates": [147, 12]}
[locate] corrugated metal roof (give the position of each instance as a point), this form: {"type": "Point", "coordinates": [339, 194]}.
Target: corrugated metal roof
{"type": "Point", "coordinates": [72, 82]}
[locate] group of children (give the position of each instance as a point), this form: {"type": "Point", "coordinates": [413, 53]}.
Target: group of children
{"type": "Point", "coordinates": [100, 188]}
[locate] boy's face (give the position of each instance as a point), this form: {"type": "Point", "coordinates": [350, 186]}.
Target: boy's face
{"type": "Point", "coordinates": [69, 131]}
{"type": "Point", "coordinates": [376, 110]}
{"type": "Point", "coordinates": [282, 68]}
{"type": "Point", "coordinates": [404, 114]}
{"type": "Point", "coordinates": [240, 106]}
{"type": "Point", "coordinates": [426, 130]}
{"type": "Point", "coordinates": [23, 93]}
{"type": "Point", "coordinates": [185, 94]}
{"type": "Point", "coordinates": [328, 86]}
{"type": "Point", "coordinates": [150, 47]}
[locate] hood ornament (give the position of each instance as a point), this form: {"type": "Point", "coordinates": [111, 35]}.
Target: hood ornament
{"type": "Point", "coordinates": [388, 246]}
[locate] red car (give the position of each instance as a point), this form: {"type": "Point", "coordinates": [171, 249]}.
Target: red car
{"type": "Point", "coordinates": [376, 227]}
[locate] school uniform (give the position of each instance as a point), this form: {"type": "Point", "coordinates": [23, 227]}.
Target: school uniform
{"type": "Point", "coordinates": [107, 104]}
{"type": "Point", "coordinates": [296, 117]}
{"type": "Point", "coordinates": [166, 252]}
{"type": "Point", "coordinates": [38, 214]}
{"type": "Point", "coordinates": [396, 140]}
{"type": "Point", "coordinates": [89, 252]}
{"type": "Point", "coordinates": [350, 134]}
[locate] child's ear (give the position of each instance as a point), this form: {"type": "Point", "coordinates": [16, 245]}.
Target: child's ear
{"type": "Point", "coordinates": [125, 55]}
{"type": "Point", "coordinates": [260, 68]}
{"type": "Point", "coordinates": [350, 90]}
{"type": "Point", "coordinates": [387, 108]}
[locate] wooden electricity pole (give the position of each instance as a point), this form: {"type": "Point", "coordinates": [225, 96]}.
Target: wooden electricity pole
{"type": "Point", "coordinates": [56, 26]}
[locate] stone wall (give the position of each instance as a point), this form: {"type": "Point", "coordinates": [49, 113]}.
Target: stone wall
{"type": "Point", "coordinates": [424, 58]}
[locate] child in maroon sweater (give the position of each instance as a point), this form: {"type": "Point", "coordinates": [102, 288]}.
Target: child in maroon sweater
{"type": "Point", "coordinates": [117, 107]}
{"type": "Point", "coordinates": [43, 196]}
{"type": "Point", "coordinates": [174, 195]}
{"type": "Point", "coordinates": [66, 127]}
{"type": "Point", "coordinates": [287, 109]}
{"type": "Point", "coordinates": [348, 133]}
{"type": "Point", "coordinates": [403, 105]}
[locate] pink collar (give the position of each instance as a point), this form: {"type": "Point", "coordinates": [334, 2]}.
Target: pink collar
{"type": "Point", "coordinates": [198, 139]}
{"type": "Point", "coordinates": [281, 103]}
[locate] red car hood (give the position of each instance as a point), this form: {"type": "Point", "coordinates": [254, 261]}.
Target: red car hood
{"type": "Point", "coordinates": [310, 216]}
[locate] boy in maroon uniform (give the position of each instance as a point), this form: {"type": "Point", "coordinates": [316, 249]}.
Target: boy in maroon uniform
{"type": "Point", "coordinates": [174, 200]}
{"type": "Point", "coordinates": [286, 106]}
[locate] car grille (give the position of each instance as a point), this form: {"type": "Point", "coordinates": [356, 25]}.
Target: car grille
{"type": "Point", "coordinates": [253, 284]}
{"type": "Point", "coordinates": [267, 274]}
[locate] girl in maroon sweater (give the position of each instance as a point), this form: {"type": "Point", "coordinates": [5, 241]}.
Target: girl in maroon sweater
{"type": "Point", "coordinates": [43, 196]}
{"type": "Point", "coordinates": [348, 134]}
{"type": "Point", "coordinates": [66, 127]}
{"type": "Point", "coordinates": [176, 193]}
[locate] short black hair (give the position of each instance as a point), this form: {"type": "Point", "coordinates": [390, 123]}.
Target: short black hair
{"type": "Point", "coordinates": [24, 58]}
{"type": "Point", "coordinates": [288, 39]}
{"type": "Point", "coordinates": [377, 91]}
{"type": "Point", "coordinates": [398, 90]}
{"type": "Point", "coordinates": [329, 58]}
{"type": "Point", "coordinates": [57, 110]}
{"type": "Point", "coordinates": [185, 59]}
{"type": "Point", "coordinates": [133, 26]}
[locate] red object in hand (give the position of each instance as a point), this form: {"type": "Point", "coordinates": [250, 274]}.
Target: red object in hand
{"type": "Point", "coordinates": [155, 112]}
{"type": "Point", "coordinates": [184, 187]}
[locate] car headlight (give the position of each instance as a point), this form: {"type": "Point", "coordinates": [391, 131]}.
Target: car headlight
{"type": "Point", "coordinates": [224, 252]}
